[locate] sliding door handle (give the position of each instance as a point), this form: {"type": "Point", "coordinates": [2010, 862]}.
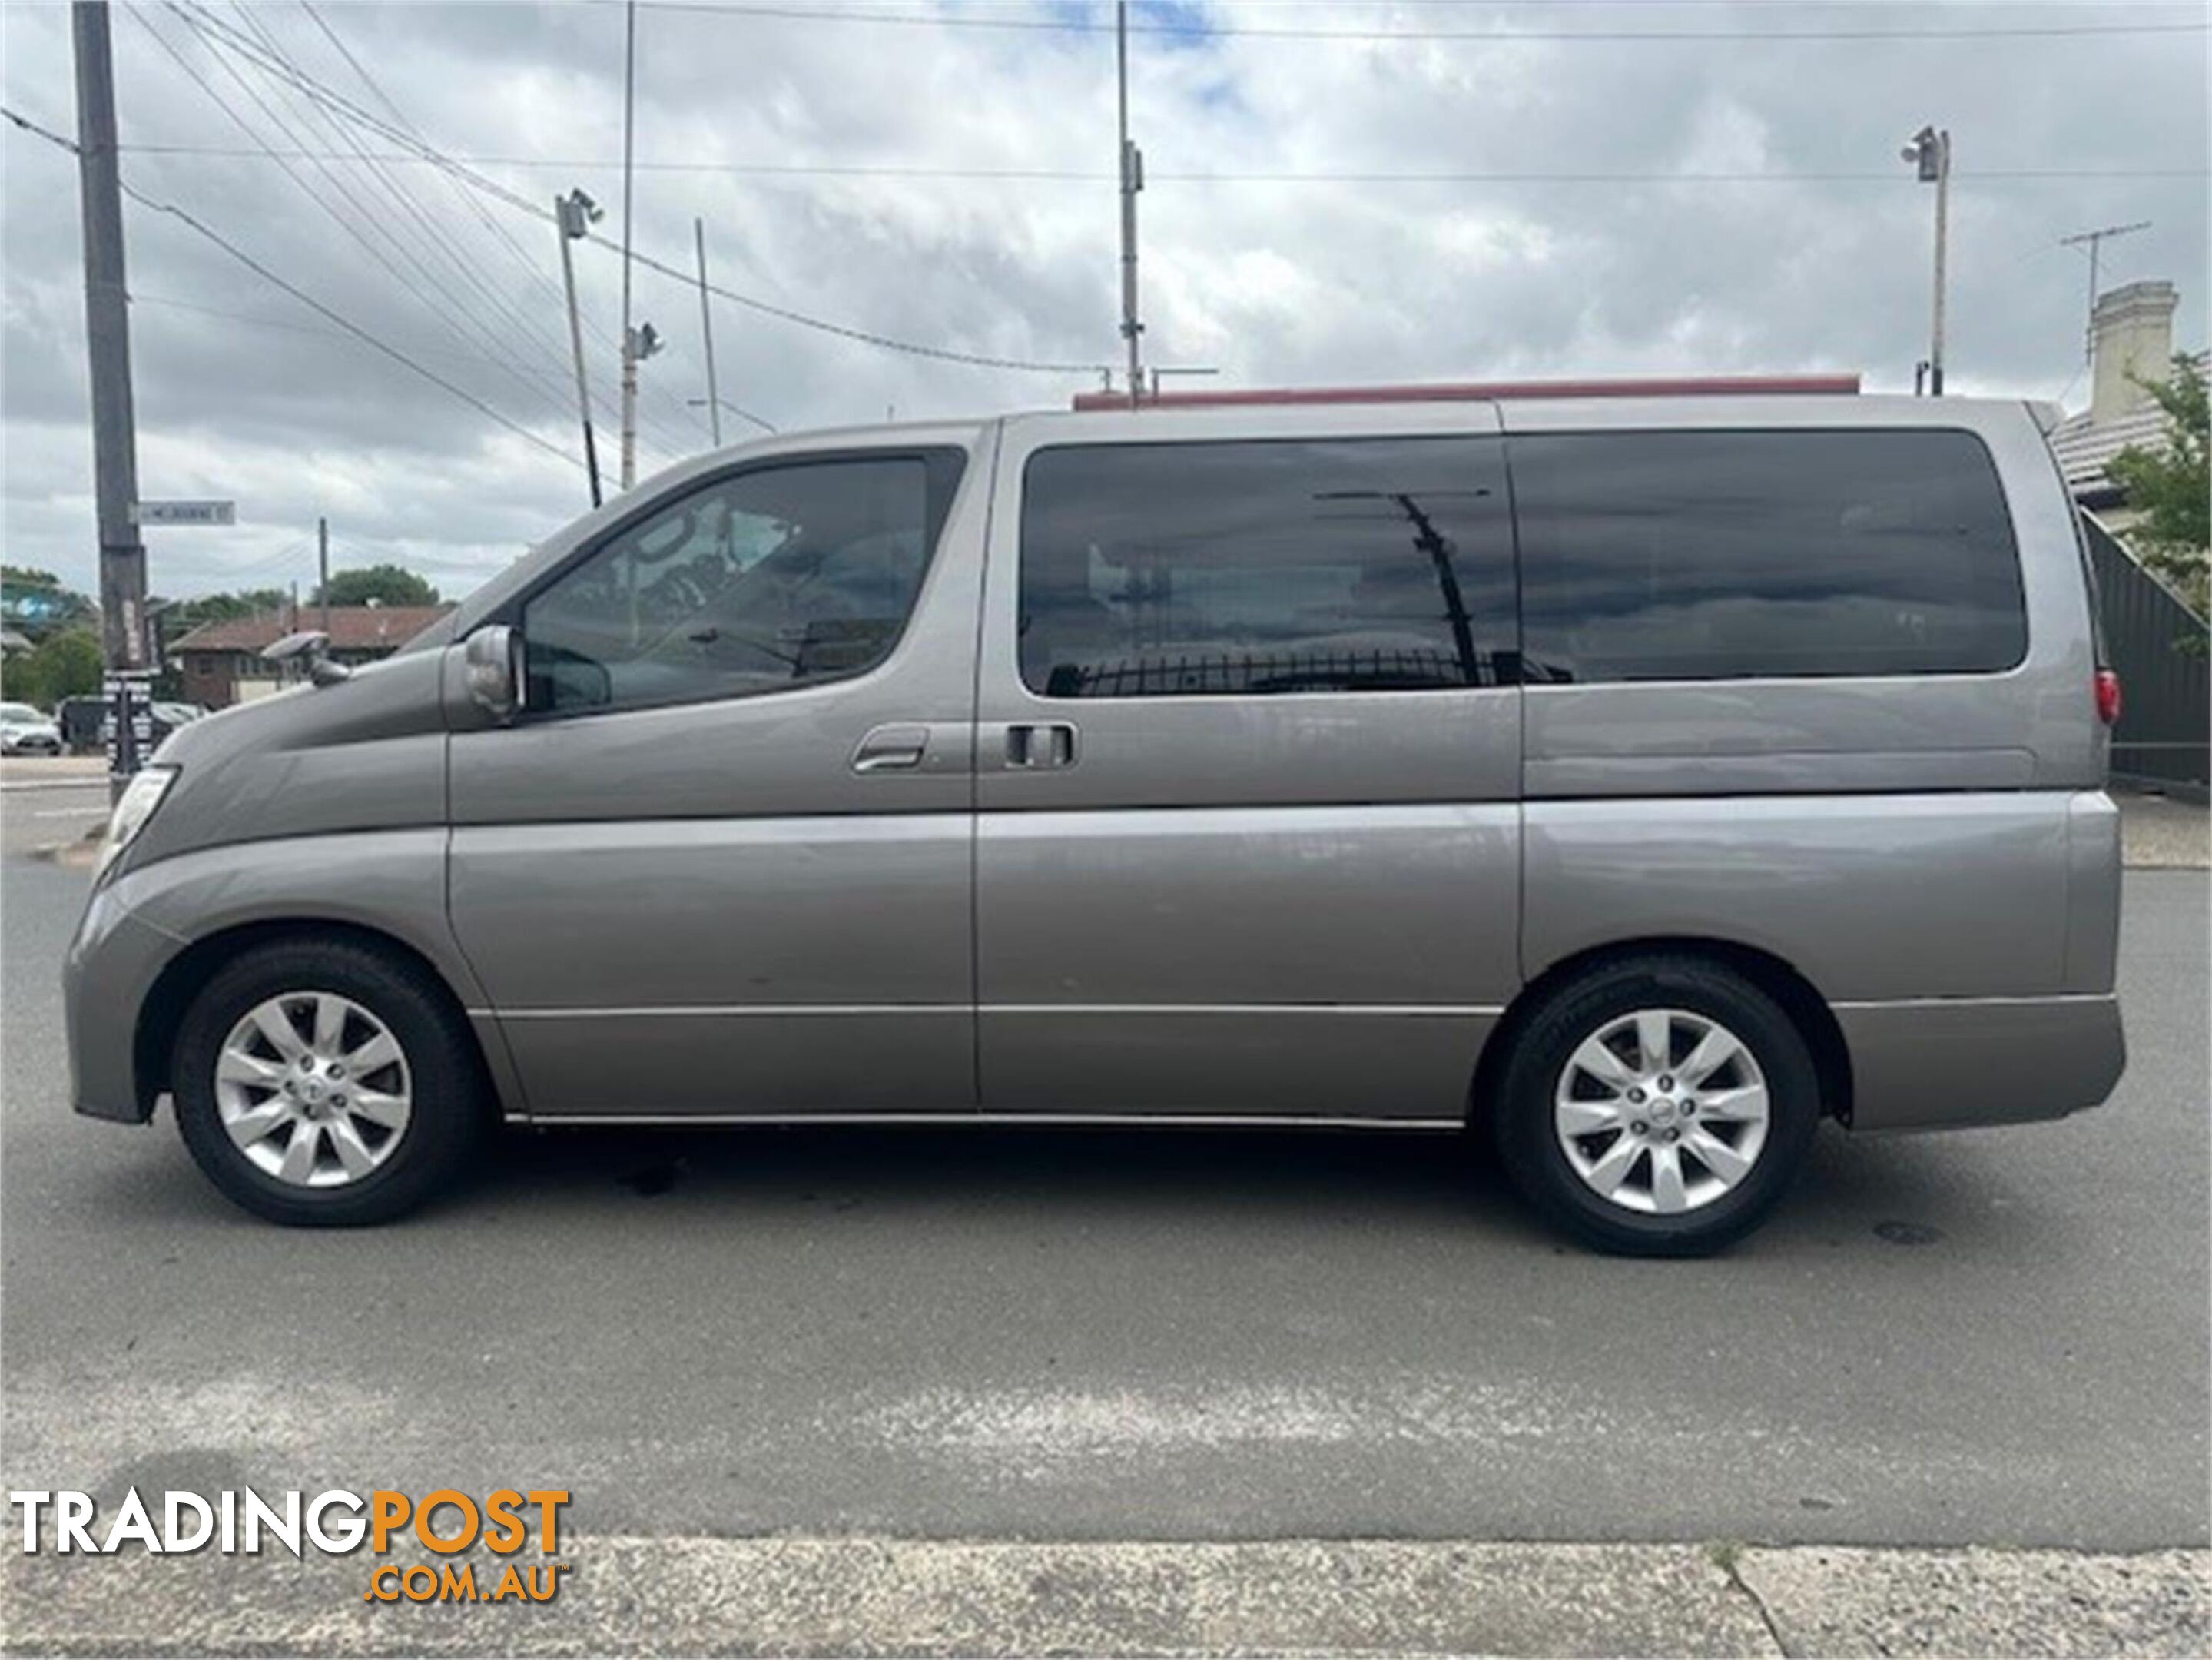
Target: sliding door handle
{"type": "Point", "coordinates": [1039, 747]}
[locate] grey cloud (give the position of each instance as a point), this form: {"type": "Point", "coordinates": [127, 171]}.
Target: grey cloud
{"type": "Point", "coordinates": [1287, 282]}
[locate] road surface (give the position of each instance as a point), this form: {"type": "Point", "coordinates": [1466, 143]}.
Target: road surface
{"type": "Point", "coordinates": [1996, 1337]}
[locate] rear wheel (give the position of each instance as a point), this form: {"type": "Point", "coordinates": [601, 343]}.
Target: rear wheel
{"type": "Point", "coordinates": [323, 1082]}
{"type": "Point", "coordinates": [1658, 1106]}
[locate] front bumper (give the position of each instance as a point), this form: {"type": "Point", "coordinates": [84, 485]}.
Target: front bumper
{"type": "Point", "coordinates": [1951, 1062]}
{"type": "Point", "coordinates": [112, 965]}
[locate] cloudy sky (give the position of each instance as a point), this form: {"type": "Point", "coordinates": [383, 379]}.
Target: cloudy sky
{"type": "Point", "coordinates": [1336, 194]}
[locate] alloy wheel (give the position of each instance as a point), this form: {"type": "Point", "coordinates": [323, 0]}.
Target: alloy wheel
{"type": "Point", "coordinates": [313, 1089]}
{"type": "Point", "coordinates": [1661, 1110]}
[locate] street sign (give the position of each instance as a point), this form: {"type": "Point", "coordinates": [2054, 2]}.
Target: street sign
{"type": "Point", "coordinates": [184, 512]}
{"type": "Point", "coordinates": [126, 726]}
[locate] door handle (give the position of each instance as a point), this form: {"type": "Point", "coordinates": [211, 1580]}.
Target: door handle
{"type": "Point", "coordinates": [1040, 747]}
{"type": "Point", "coordinates": [898, 748]}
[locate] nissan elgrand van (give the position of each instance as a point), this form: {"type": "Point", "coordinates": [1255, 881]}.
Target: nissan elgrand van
{"type": "Point", "coordinates": [1637, 781]}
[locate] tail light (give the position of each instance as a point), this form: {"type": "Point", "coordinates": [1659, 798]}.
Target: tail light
{"type": "Point", "coordinates": [2108, 697]}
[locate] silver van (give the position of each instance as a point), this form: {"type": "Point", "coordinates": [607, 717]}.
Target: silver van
{"type": "Point", "coordinates": [1635, 781]}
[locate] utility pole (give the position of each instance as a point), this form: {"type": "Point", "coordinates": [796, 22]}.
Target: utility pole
{"type": "Point", "coordinates": [322, 569]}
{"type": "Point", "coordinates": [574, 214]}
{"type": "Point", "coordinates": [2095, 239]}
{"type": "Point", "coordinates": [1133, 180]}
{"type": "Point", "coordinates": [706, 332]}
{"type": "Point", "coordinates": [1930, 151]}
{"type": "Point", "coordinates": [107, 340]}
{"type": "Point", "coordinates": [629, 341]}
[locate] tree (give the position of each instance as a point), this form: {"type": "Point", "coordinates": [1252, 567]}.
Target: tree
{"type": "Point", "coordinates": [66, 664]}
{"type": "Point", "coordinates": [387, 585]}
{"type": "Point", "coordinates": [2171, 488]}
{"type": "Point", "coordinates": [179, 617]}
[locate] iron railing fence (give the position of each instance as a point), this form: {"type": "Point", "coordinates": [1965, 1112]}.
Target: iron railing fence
{"type": "Point", "coordinates": [2158, 646]}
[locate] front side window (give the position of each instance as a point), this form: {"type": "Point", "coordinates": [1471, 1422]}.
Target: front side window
{"type": "Point", "coordinates": [1246, 568]}
{"type": "Point", "coordinates": [1696, 555]}
{"type": "Point", "coordinates": [781, 577]}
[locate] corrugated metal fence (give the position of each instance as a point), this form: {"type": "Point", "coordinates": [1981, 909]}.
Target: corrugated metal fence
{"type": "Point", "coordinates": [2165, 734]}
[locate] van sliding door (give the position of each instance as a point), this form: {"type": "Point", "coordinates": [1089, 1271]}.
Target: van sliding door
{"type": "Point", "coordinates": [1248, 750]}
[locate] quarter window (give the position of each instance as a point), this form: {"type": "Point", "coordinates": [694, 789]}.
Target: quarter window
{"type": "Point", "coordinates": [1192, 570]}
{"type": "Point", "coordinates": [781, 577]}
{"type": "Point", "coordinates": [1694, 556]}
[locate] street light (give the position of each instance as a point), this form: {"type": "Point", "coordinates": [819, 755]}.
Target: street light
{"type": "Point", "coordinates": [576, 213]}
{"type": "Point", "coordinates": [639, 342]}
{"type": "Point", "coordinates": [1928, 151]}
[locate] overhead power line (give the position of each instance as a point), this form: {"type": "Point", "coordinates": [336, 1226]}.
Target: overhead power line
{"type": "Point", "coordinates": [193, 223]}
{"type": "Point", "coordinates": [531, 269]}
{"type": "Point", "coordinates": [465, 306]}
{"type": "Point", "coordinates": [372, 236]}
{"type": "Point", "coordinates": [1506, 35]}
{"type": "Point", "coordinates": [247, 47]}
{"type": "Point", "coordinates": [1092, 175]}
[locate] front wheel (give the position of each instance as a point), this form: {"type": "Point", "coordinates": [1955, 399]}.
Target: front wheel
{"type": "Point", "coordinates": [326, 1083]}
{"type": "Point", "coordinates": [1657, 1107]}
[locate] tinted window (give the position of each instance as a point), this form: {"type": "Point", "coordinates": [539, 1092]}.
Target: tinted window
{"type": "Point", "coordinates": [781, 577]}
{"type": "Point", "coordinates": [1159, 569]}
{"type": "Point", "coordinates": [1710, 555]}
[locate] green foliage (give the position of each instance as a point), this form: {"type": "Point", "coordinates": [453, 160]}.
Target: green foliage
{"type": "Point", "coordinates": [66, 664]}
{"type": "Point", "coordinates": [389, 585]}
{"type": "Point", "coordinates": [29, 576]}
{"type": "Point", "coordinates": [183, 615]}
{"type": "Point", "coordinates": [2171, 487]}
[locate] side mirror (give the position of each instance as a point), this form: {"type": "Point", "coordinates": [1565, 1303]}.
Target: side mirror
{"type": "Point", "coordinates": [493, 660]}
{"type": "Point", "coordinates": [313, 645]}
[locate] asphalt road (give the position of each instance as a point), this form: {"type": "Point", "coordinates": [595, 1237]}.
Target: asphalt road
{"type": "Point", "coordinates": [1994, 1337]}
{"type": "Point", "coordinates": [39, 813]}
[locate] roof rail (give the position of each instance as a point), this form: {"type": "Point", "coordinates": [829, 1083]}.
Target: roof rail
{"type": "Point", "coordinates": [1707, 385]}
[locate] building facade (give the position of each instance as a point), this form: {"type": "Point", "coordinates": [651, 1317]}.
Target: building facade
{"type": "Point", "coordinates": [220, 664]}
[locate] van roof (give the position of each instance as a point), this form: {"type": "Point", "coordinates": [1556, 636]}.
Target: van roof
{"type": "Point", "coordinates": [1709, 386]}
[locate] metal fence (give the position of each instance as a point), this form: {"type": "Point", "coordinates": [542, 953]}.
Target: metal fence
{"type": "Point", "coordinates": [2158, 647]}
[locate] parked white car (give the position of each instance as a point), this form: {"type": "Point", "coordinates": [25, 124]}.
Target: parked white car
{"type": "Point", "coordinates": [24, 731]}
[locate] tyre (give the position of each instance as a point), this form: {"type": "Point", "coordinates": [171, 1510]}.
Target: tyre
{"type": "Point", "coordinates": [1657, 1106]}
{"type": "Point", "coordinates": [324, 1083]}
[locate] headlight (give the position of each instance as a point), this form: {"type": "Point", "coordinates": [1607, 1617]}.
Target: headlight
{"type": "Point", "coordinates": [140, 797]}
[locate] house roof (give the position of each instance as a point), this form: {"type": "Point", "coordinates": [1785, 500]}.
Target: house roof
{"type": "Point", "coordinates": [352, 627]}
{"type": "Point", "coordinates": [2084, 449]}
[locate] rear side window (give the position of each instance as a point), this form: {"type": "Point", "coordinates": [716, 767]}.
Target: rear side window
{"type": "Point", "coordinates": [1700, 556]}
{"type": "Point", "coordinates": [1248, 568]}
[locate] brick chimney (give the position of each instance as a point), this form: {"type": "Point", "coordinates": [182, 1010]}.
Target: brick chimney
{"type": "Point", "coordinates": [2132, 330]}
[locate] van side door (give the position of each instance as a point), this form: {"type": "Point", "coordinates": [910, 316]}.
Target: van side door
{"type": "Point", "coordinates": [1247, 756]}
{"type": "Point", "coordinates": [720, 863]}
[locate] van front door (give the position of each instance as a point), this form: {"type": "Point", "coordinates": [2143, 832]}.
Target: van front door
{"type": "Point", "coordinates": [1248, 758]}
{"type": "Point", "coordinates": [719, 863]}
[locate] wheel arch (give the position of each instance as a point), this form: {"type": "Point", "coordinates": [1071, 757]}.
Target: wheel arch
{"type": "Point", "coordinates": [1779, 979]}
{"type": "Point", "coordinates": [161, 1012]}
